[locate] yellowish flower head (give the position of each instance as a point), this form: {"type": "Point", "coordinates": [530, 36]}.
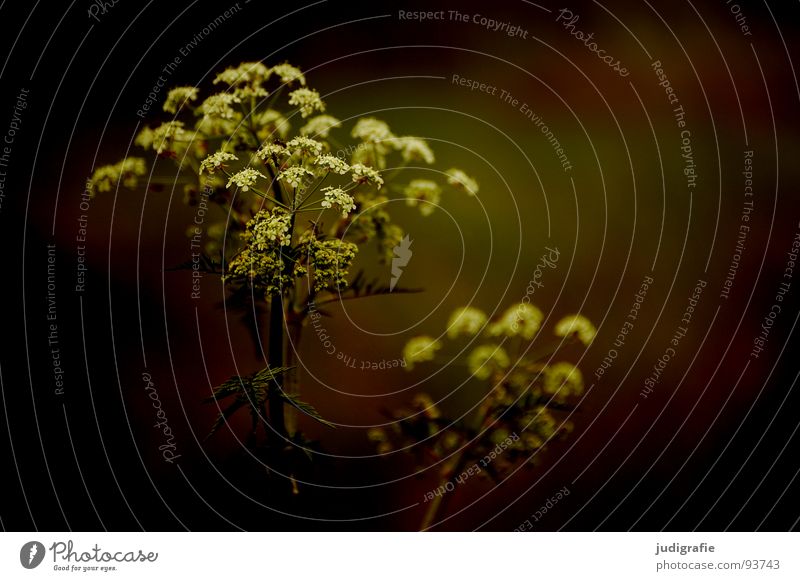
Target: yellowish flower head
{"type": "Point", "coordinates": [372, 130]}
{"type": "Point", "coordinates": [363, 174]}
{"type": "Point", "coordinates": [307, 100]}
{"type": "Point", "coordinates": [215, 161]}
{"type": "Point", "coordinates": [320, 126]}
{"type": "Point", "coordinates": [419, 349]}
{"type": "Point", "coordinates": [466, 321]}
{"type": "Point", "coordinates": [245, 178]}
{"type": "Point", "coordinates": [423, 193]}
{"type": "Point", "coordinates": [178, 97]}
{"type": "Point", "coordinates": [126, 173]}
{"type": "Point", "coordinates": [577, 325]}
{"type": "Point", "coordinates": [289, 74]}
{"type": "Point", "coordinates": [486, 360]}
{"type": "Point", "coordinates": [338, 198]}
{"type": "Point", "coordinates": [414, 149]}
{"type": "Point", "coordinates": [459, 179]}
{"type": "Point", "coordinates": [562, 380]}
{"type": "Point", "coordinates": [522, 320]}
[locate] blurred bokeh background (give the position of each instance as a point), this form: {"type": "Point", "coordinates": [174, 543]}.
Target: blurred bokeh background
{"type": "Point", "coordinates": [709, 448]}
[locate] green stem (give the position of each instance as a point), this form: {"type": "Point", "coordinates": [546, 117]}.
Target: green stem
{"type": "Point", "coordinates": [452, 467]}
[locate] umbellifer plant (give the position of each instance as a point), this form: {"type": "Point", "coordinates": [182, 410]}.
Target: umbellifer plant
{"type": "Point", "coordinates": [294, 207]}
{"type": "Point", "coordinates": [529, 394]}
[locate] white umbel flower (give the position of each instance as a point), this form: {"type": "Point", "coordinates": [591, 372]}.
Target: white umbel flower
{"type": "Point", "coordinates": [295, 175]}
{"type": "Point", "coordinates": [245, 178]}
{"type": "Point", "coordinates": [423, 193]}
{"type": "Point", "coordinates": [216, 160]}
{"type": "Point", "coordinates": [165, 135]}
{"type": "Point", "coordinates": [305, 145]}
{"type": "Point", "coordinates": [332, 163]}
{"type": "Point", "coordinates": [178, 97]}
{"type": "Point", "coordinates": [364, 174]}
{"type": "Point", "coordinates": [414, 149]}
{"type": "Point", "coordinates": [270, 150]}
{"type": "Point", "coordinates": [562, 380]}
{"type": "Point", "coordinates": [289, 74]}
{"type": "Point", "coordinates": [320, 126]}
{"type": "Point", "coordinates": [337, 197]}
{"type": "Point", "coordinates": [465, 321]}
{"type": "Point", "coordinates": [419, 349]}
{"type": "Point", "coordinates": [307, 100]}
{"type": "Point", "coordinates": [577, 325]}
{"type": "Point", "coordinates": [486, 360]}
{"type": "Point", "coordinates": [250, 73]}
{"type": "Point", "coordinates": [459, 179]}
{"type": "Point", "coordinates": [219, 106]}
{"type": "Point", "coordinates": [523, 320]}
{"type": "Point", "coordinates": [269, 228]}
{"type": "Point", "coordinates": [372, 130]}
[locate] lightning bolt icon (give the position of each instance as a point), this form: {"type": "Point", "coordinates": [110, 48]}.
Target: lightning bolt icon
{"type": "Point", "coordinates": [402, 254]}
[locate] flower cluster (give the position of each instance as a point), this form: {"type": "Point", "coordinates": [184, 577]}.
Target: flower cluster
{"type": "Point", "coordinates": [414, 149]}
{"type": "Point", "coordinates": [338, 198]}
{"type": "Point", "coordinates": [523, 320]}
{"type": "Point", "coordinates": [330, 260]}
{"type": "Point", "coordinates": [419, 349]}
{"type": "Point", "coordinates": [295, 175]}
{"type": "Point", "coordinates": [179, 97]}
{"type": "Point", "coordinates": [220, 106]}
{"type": "Point", "coordinates": [363, 174]}
{"type": "Point", "coordinates": [261, 261]}
{"type": "Point", "coordinates": [576, 325]}
{"type": "Point", "coordinates": [320, 126]}
{"type": "Point", "coordinates": [289, 74]}
{"type": "Point", "coordinates": [126, 172]}
{"type": "Point", "coordinates": [526, 406]}
{"type": "Point", "coordinates": [307, 100]}
{"type": "Point", "coordinates": [332, 163]}
{"type": "Point", "coordinates": [245, 178]}
{"type": "Point", "coordinates": [216, 161]}
{"type": "Point", "coordinates": [170, 136]}
{"type": "Point", "coordinates": [425, 193]}
{"type": "Point", "coordinates": [459, 179]}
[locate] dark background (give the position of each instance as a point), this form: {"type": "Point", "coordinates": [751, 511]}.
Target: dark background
{"type": "Point", "coordinates": [708, 450]}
